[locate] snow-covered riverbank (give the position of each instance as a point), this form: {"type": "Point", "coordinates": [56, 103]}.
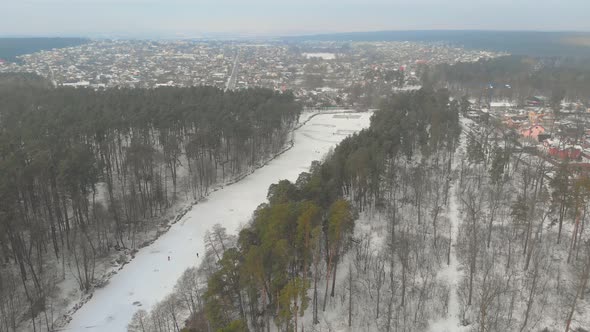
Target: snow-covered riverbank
{"type": "Point", "coordinates": [151, 276]}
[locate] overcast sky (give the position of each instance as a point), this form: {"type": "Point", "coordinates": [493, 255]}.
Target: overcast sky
{"type": "Point", "coordinates": [193, 18]}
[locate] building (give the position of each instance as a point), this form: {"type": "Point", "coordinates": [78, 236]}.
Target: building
{"type": "Point", "coordinates": [546, 120]}
{"type": "Point", "coordinates": [533, 132]}
{"type": "Point", "coordinates": [501, 106]}
{"type": "Point", "coordinates": [570, 153]}
{"type": "Point", "coordinates": [536, 101]}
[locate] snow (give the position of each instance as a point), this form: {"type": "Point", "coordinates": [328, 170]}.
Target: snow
{"type": "Point", "coordinates": [149, 277]}
{"type": "Point", "coordinates": [77, 84]}
{"type": "Point", "coordinates": [325, 56]}
{"type": "Point", "coordinates": [452, 273]}
{"type": "Point", "coordinates": [371, 227]}
{"type": "Point", "coordinates": [502, 104]}
{"type": "Point", "coordinates": [408, 88]}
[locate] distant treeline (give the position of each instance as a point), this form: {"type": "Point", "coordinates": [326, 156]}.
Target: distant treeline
{"type": "Point", "coordinates": [532, 43]}
{"type": "Point", "coordinates": [10, 48]}
{"type": "Point", "coordinates": [516, 77]}
{"type": "Point", "coordinates": [84, 172]}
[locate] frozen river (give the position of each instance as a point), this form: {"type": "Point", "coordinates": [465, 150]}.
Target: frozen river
{"type": "Point", "coordinates": [149, 277]}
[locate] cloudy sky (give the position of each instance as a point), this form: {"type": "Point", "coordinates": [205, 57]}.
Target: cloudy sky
{"type": "Point", "coordinates": [194, 18]}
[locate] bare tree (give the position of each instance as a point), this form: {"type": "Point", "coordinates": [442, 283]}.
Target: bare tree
{"type": "Point", "coordinates": [189, 291]}
{"type": "Point", "coordinates": [473, 206]}
{"type": "Point", "coordinates": [83, 261]}
{"type": "Point", "coordinates": [139, 322]}
{"type": "Point", "coordinates": [582, 274]}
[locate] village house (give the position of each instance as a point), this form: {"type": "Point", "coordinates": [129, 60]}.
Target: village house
{"type": "Point", "coordinates": [569, 153]}
{"type": "Point", "coordinates": [514, 121]}
{"type": "Point", "coordinates": [536, 101]}
{"type": "Point", "coordinates": [563, 149]}
{"type": "Point", "coordinates": [501, 106]}
{"type": "Point", "coordinates": [532, 132]}
{"type": "Point", "coordinates": [544, 119]}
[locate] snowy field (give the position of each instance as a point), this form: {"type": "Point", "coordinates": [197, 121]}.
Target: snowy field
{"type": "Point", "coordinates": [325, 56]}
{"type": "Point", "coordinates": [149, 277]}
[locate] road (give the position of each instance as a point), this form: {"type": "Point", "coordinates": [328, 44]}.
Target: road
{"type": "Point", "coordinates": [150, 277]}
{"type": "Point", "coordinates": [231, 82]}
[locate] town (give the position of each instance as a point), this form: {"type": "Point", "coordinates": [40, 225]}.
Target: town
{"type": "Point", "coordinates": [320, 74]}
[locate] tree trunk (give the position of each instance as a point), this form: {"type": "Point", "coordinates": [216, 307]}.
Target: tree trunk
{"type": "Point", "coordinates": [349, 296]}
{"type": "Point", "coordinates": [334, 276]}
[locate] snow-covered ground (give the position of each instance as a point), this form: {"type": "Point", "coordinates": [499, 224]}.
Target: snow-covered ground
{"type": "Point", "coordinates": [325, 56]}
{"type": "Point", "coordinates": [452, 273]}
{"type": "Point", "coordinates": [149, 277]}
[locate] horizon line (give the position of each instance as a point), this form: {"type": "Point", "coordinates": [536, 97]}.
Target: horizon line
{"type": "Point", "coordinates": [257, 35]}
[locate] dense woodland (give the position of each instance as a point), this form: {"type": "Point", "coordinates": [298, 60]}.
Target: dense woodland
{"type": "Point", "coordinates": [283, 269]}
{"type": "Point", "coordinates": [425, 218]}
{"type": "Point", "coordinates": [526, 76]}
{"type": "Point", "coordinates": [523, 239]}
{"type": "Point", "coordinates": [85, 173]}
